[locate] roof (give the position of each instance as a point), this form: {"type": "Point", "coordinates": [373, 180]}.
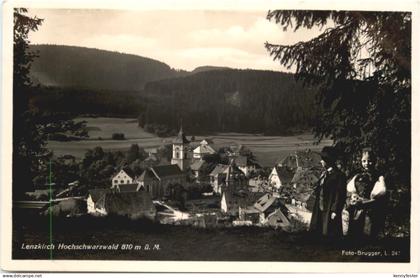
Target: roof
{"type": "Point", "coordinates": [220, 168]}
{"type": "Point", "coordinates": [284, 174]}
{"type": "Point", "coordinates": [244, 199]}
{"type": "Point", "coordinates": [206, 141]}
{"type": "Point", "coordinates": [180, 138]}
{"type": "Point", "coordinates": [166, 170]}
{"type": "Point", "coordinates": [204, 149]}
{"type": "Point", "coordinates": [308, 159]}
{"type": "Point", "coordinates": [127, 170]}
{"type": "Point", "coordinates": [129, 203]}
{"type": "Point", "coordinates": [128, 187]}
{"type": "Point", "coordinates": [98, 193]}
{"type": "Point", "coordinates": [265, 202]}
{"type": "Point", "coordinates": [304, 179]}
{"type": "Point", "coordinates": [197, 165]}
{"type": "Point", "coordinates": [306, 176]}
{"type": "Point", "coordinates": [147, 175]}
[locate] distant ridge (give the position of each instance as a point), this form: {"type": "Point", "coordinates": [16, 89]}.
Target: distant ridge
{"type": "Point", "coordinates": [208, 68]}
{"type": "Point", "coordinates": [73, 66]}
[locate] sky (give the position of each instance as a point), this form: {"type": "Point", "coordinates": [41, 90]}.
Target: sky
{"type": "Point", "coordinates": [180, 38]}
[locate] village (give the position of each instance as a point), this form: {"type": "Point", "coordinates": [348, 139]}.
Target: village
{"type": "Point", "coordinates": [236, 190]}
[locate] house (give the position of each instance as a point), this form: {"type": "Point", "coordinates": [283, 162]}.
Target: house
{"type": "Point", "coordinates": [303, 183]}
{"type": "Point", "coordinates": [272, 212]}
{"type": "Point", "coordinates": [216, 177]}
{"type": "Point", "coordinates": [124, 176]}
{"type": "Point", "coordinates": [203, 149]}
{"type": "Point", "coordinates": [234, 189]}
{"type": "Point", "coordinates": [96, 201]}
{"type": "Point", "coordinates": [245, 165]}
{"type": "Point", "coordinates": [279, 177]}
{"type": "Point", "coordinates": [198, 168]}
{"type": "Point", "coordinates": [131, 204]}
{"type": "Point", "coordinates": [233, 203]}
{"type": "Point", "coordinates": [156, 180]}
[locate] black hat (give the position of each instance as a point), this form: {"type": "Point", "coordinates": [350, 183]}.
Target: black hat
{"type": "Point", "coordinates": [328, 154]}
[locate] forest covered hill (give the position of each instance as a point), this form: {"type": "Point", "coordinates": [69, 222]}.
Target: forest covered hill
{"type": "Point", "coordinates": [71, 66]}
{"type": "Point", "coordinates": [82, 81]}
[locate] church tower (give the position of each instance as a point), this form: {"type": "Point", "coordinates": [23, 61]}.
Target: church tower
{"type": "Point", "coordinates": [180, 150]}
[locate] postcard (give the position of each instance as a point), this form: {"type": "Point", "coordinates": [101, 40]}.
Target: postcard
{"type": "Point", "coordinates": [192, 136]}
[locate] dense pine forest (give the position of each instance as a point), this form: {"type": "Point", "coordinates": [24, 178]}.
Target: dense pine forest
{"type": "Point", "coordinates": [82, 81]}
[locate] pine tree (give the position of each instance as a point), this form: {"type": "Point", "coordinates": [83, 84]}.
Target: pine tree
{"type": "Point", "coordinates": [361, 62]}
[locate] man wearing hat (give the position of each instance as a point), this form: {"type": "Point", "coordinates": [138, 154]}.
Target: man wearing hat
{"type": "Point", "coordinates": [330, 197]}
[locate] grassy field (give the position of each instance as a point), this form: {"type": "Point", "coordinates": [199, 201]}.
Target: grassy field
{"type": "Point", "coordinates": [268, 149]}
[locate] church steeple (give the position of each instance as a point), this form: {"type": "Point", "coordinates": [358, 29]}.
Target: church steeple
{"type": "Point", "coordinates": [180, 150]}
{"type": "Point", "coordinates": [180, 138]}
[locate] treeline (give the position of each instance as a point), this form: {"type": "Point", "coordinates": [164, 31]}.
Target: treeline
{"type": "Point", "coordinates": [82, 101]}
{"type": "Point", "coordinates": [83, 81]}
{"type": "Point", "coordinates": [248, 101]}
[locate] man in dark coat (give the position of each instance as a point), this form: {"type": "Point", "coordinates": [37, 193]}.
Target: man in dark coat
{"type": "Point", "coordinates": [330, 197]}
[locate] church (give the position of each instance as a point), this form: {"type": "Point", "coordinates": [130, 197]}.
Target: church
{"type": "Point", "coordinates": [180, 151]}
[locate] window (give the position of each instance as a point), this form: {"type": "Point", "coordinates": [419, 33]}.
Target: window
{"type": "Point", "coordinates": [176, 154]}
{"type": "Point", "coordinates": [115, 181]}
{"type": "Point", "coordinates": [122, 181]}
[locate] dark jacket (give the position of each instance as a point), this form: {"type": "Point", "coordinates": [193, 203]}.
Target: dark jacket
{"type": "Point", "coordinates": [330, 196]}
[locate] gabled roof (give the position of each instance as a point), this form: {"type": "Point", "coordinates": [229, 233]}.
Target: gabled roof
{"type": "Point", "coordinates": [147, 175]}
{"type": "Point", "coordinates": [284, 174]}
{"type": "Point", "coordinates": [265, 202]}
{"type": "Point", "coordinates": [166, 170]}
{"type": "Point", "coordinates": [204, 149]}
{"type": "Point", "coordinates": [180, 138]}
{"type": "Point", "coordinates": [127, 170]}
{"type": "Point", "coordinates": [197, 165]}
{"type": "Point", "coordinates": [306, 176]}
{"type": "Point", "coordinates": [98, 193]}
{"type": "Point", "coordinates": [305, 180]}
{"type": "Point", "coordinates": [220, 168]}
{"type": "Point", "coordinates": [206, 141]}
{"type": "Point", "coordinates": [128, 187]}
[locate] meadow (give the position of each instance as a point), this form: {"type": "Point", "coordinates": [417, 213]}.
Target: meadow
{"type": "Point", "coordinates": [182, 243]}
{"type": "Point", "coordinates": [267, 149]}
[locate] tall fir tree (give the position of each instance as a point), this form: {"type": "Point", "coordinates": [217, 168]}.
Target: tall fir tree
{"type": "Point", "coordinates": [361, 61]}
